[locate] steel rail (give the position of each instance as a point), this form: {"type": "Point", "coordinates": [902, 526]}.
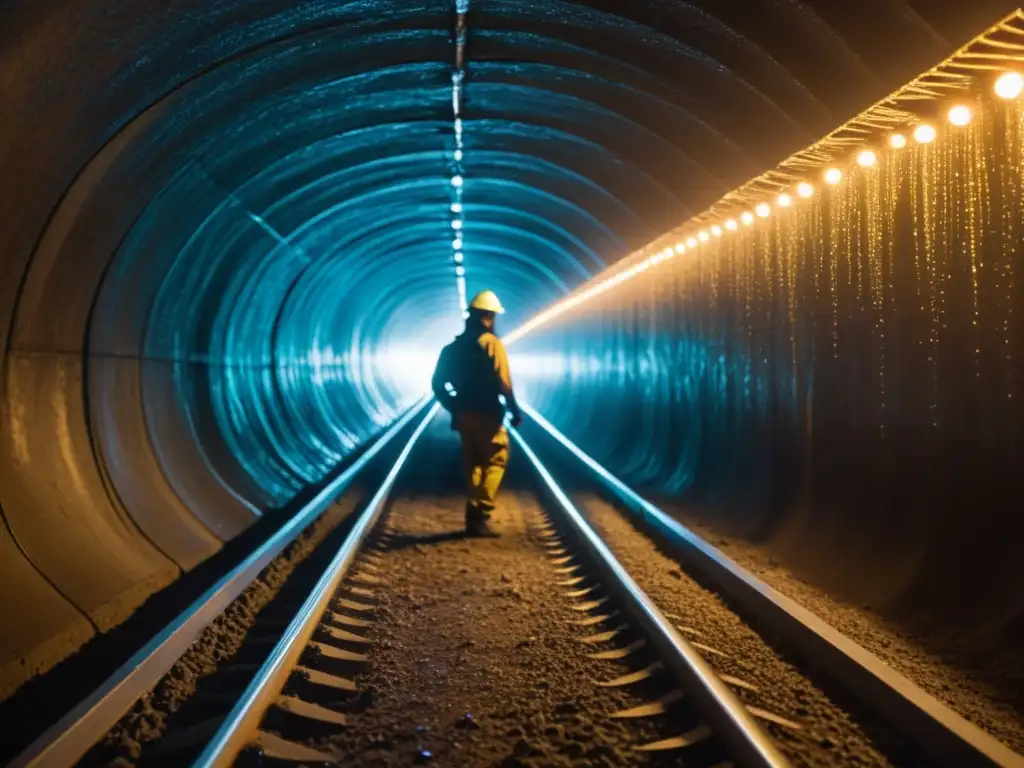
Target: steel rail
{"type": "Point", "coordinates": [242, 723]}
{"type": "Point", "coordinates": [67, 740]}
{"type": "Point", "coordinates": [748, 743]}
{"type": "Point", "coordinates": [936, 729]}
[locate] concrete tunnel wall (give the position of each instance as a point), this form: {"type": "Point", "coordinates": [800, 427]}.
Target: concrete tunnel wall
{"type": "Point", "coordinates": [226, 247]}
{"type": "Point", "coordinates": [842, 379]}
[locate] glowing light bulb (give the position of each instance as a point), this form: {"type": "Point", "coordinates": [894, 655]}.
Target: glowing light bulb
{"type": "Point", "coordinates": [961, 114]}
{"type": "Point", "coordinates": [457, 257]}
{"type": "Point", "coordinates": [456, 207]}
{"type": "Point", "coordinates": [867, 158]}
{"type": "Point", "coordinates": [747, 218]}
{"type": "Point", "coordinates": [731, 225]}
{"type": "Point", "coordinates": [784, 200]}
{"type": "Point", "coordinates": [703, 236]}
{"type": "Point", "coordinates": [457, 244]}
{"type": "Point", "coordinates": [804, 189]}
{"type": "Point", "coordinates": [458, 155]}
{"type": "Point", "coordinates": [460, 271]}
{"type": "Point", "coordinates": [457, 224]}
{"type": "Point", "coordinates": [457, 181]}
{"type": "Point", "coordinates": [763, 210]}
{"type": "Point", "coordinates": [1009, 85]}
{"type": "Point", "coordinates": [691, 242]}
{"type": "Point", "coordinates": [897, 141]}
{"type": "Point", "coordinates": [833, 176]}
{"type": "Point", "coordinates": [680, 248]}
{"type": "Point", "coordinates": [716, 230]}
{"type": "Point", "coordinates": [924, 134]}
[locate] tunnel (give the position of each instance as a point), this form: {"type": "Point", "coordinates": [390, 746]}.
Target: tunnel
{"type": "Point", "coordinates": [235, 236]}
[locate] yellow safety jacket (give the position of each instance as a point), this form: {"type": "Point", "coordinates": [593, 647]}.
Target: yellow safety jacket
{"type": "Point", "coordinates": [475, 368]}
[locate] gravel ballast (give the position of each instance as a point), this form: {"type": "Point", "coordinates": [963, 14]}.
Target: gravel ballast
{"type": "Point", "coordinates": [995, 703]}
{"type": "Point", "coordinates": [474, 655]}
{"type": "Point", "coordinates": [476, 660]}
{"type": "Point", "coordinates": [833, 731]}
{"type": "Point", "coordinates": [184, 706]}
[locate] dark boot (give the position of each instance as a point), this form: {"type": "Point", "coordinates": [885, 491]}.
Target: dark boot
{"type": "Point", "coordinates": [477, 525]}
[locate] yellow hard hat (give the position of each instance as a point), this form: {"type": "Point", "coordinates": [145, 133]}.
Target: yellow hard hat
{"type": "Point", "coordinates": [487, 301]}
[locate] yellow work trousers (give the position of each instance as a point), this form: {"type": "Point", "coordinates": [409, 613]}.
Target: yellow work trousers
{"type": "Point", "coordinates": [484, 457]}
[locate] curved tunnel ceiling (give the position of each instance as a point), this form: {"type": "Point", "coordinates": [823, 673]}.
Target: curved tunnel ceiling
{"type": "Point", "coordinates": [590, 127]}
{"type": "Point", "coordinates": [253, 198]}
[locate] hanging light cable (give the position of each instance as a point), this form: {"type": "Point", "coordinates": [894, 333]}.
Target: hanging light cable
{"type": "Point", "coordinates": [458, 175]}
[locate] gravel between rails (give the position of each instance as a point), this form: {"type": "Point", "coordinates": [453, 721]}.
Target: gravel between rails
{"type": "Point", "coordinates": [474, 658]}
{"type": "Point", "coordinates": [149, 727]}
{"type": "Point", "coordinates": [830, 734]}
{"type": "Point", "coordinates": [998, 711]}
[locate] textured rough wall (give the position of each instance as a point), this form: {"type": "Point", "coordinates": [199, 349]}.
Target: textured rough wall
{"type": "Point", "coordinates": [844, 376]}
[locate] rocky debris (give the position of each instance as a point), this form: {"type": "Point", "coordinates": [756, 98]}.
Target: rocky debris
{"type": "Point", "coordinates": [834, 730]}
{"type": "Point", "coordinates": [984, 687]}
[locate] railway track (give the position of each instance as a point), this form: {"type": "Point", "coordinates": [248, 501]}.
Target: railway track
{"type": "Point", "coordinates": [307, 685]}
{"type": "Point", "coordinates": [331, 632]}
{"type": "Point", "coordinates": [935, 733]}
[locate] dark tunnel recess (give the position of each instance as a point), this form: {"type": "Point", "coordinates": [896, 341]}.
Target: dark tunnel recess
{"type": "Point", "coordinates": [227, 243]}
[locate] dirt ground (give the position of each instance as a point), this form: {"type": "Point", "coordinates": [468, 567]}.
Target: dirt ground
{"type": "Point", "coordinates": [832, 728]}
{"type": "Point", "coordinates": [988, 692]}
{"type": "Point", "coordinates": [476, 658]}
{"type": "Point", "coordinates": [185, 704]}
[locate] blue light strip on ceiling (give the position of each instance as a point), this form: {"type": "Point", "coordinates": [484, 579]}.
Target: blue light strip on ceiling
{"type": "Point", "coordinates": [457, 174]}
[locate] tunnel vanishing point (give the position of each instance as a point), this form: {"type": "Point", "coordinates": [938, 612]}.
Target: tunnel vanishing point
{"type": "Point", "coordinates": [233, 235]}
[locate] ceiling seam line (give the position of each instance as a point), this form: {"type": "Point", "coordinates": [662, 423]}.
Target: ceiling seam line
{"type": "Point", "coordinates": [457, 179]}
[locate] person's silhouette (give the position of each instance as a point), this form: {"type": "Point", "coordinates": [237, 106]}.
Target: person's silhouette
{"type": "Point", "coordinates": [470, 381]}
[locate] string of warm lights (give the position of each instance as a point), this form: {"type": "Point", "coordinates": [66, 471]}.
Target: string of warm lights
{"type": "Point", "coordinates": [1007, 86]}
{"type": "Point", "coordinates": [457, 179]}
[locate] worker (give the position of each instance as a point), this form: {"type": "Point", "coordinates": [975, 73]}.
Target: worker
{"type": "Point", "coordinates": [471, 380]}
